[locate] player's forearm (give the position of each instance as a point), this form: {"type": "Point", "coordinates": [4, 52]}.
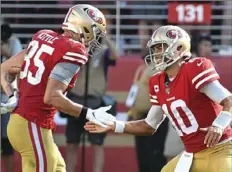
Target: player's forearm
{"type": "Point", "coordinates": [224, 118]}
{"type": "Point", "coordinates": [227, 104]}
{"type": "Point", "coordinates": [8, 89]}
{"type": "Point", "coordinates": [12, 66]}
{"type": "Point", "coordinates": [63, 104]}
{"type": "Point", "coordinates": [6, 83]}
{"type": "Point", "coordinates": [138, 127]}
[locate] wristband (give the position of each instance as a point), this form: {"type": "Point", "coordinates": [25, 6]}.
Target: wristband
{"type": "Point", "coordinates": [222, 120]}
{"type": "Point", "coordinates": [84, 111]}
{"type": "Point", "coordinates": [13, 93]}
{"type": "Point", "coordinates": [119, 126]}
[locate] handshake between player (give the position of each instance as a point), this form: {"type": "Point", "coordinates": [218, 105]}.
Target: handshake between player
{"type": "Point", "coordinates": [97, 116]}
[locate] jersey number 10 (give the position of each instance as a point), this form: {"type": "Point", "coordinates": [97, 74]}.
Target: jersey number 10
{"type": "Point", "coordinates": [182, 127]}
{"type": "Point", "coordinates": [34, 53]}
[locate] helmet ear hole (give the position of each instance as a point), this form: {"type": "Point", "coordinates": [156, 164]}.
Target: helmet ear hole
{"type": "Point", "coordinates": [179, 48]}
{"type": "Point", "coordinates": [86, 30]}
{"type": "Point", "coordinates": [82, 35]}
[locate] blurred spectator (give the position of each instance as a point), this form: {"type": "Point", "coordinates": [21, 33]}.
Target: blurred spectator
{"type": "Point", "coordinates": [202, 46]}
{"type": "Point", "coordinates": [226, 49]}
{"type": "Point", "coordinates": [10, 45]}
{"type": "Point", "coordinates": [96, 91]}
{"type": "Point", "coordinates": [142, 31]}
{"type": "Point", "coordinates": [227, 22]}
{"type": "Point", "coordinates": [143, 24]}
{"type": "Point", "coordinates": [149, 149]}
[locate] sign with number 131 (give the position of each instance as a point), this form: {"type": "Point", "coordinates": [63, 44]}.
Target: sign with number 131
{"type": "Point", "coordinates": [189, 13]}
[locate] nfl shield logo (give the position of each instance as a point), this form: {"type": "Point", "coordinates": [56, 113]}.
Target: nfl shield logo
{"type": "Point", "coordinates": [168, 90]}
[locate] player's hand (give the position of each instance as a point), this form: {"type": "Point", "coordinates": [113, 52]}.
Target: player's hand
{"type": "Point", "coordinates": [100, 116]}
{"type": "Point", "coordinates": [213, 135]}
{"type": "Point", "coordinates": [10, 105]}
{"type": "Point", "coordinates": [93, 128]}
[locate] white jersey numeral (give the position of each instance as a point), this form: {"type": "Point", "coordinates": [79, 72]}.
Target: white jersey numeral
{"type": "Point", "coordinates": [35, 52]}
{"type": "Point", "coordinates": [182, 127]}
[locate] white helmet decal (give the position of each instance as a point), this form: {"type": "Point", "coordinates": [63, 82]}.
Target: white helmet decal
{"type": "Point", "coordinates": [93, 14]}
{"type": "Point", "coordinates": [173, 34]}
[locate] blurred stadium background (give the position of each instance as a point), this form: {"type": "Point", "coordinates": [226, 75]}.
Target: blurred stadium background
{"type": "Point", "coordinates": [130, 24]}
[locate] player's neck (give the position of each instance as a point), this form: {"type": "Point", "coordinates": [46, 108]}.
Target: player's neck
{"type": "Point", "coordinates": [173, 70]}
{"type": "Point", "coordinates": [67, 34]}
{"type": "Point", "coordinates": [72, 35]}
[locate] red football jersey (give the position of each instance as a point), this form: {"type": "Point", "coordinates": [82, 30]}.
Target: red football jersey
{"type": "Point", "coordinates": [186, 107]}
{"type": "Point", "coordinates": [46, 49]}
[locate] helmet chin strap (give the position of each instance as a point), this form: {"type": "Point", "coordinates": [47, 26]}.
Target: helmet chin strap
{"type": "Point", "coordinates": [91, 43]}
{"type": "Point", "coordinates": [178, 58]}
{"type": "Point", "coordinates": [94, 31]}
{"type": "Point", "coordinates": [82, 39]}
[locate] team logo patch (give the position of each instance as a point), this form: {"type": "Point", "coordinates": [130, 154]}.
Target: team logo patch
{"type": "Point", "coordinates": [156, 88]}
{"type": "Point", "coordinates": [95, 16]}
{"type": "Point", "coordinates": [173, 33]}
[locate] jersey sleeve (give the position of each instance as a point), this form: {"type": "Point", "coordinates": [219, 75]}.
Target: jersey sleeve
{"type": "Point", "coordinates": [153, 89]}
{"type": "Point", "coordinates": [202, 72]}
{"type": "Point", "coordinates": [75, 54]}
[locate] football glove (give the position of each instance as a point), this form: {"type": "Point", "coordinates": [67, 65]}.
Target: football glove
{"type": "Point", "coordinates": [100, 116]}
{"type": "Point", "coordinates": [10, 105]}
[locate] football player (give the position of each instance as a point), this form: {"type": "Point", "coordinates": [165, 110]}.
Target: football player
{"type": "Point", "coordinates": [48, 68]}
{"type": "Point", "coordinates": [188, 92]}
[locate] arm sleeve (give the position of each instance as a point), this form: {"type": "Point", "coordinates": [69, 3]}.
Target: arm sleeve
{"type": "Point", "coordinates": [215, 91]}
{"type": "Point", "coordinates": [155, 117]}
{"type": "Point", "coordinates": [64, 72]}
{"type": "Point", "coordinates": [202, 72]}
{"type": "Point", "coordinates": [152, 92]}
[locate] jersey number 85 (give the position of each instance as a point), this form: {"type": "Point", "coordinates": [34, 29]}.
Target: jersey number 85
{"type": "Point", "coordinates": [34, 52]}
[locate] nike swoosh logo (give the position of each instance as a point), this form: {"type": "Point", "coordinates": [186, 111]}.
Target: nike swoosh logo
{"type": "Point", "coordinates": [94, 115]}
{"type": "Point", "coordinates": [200, 63]}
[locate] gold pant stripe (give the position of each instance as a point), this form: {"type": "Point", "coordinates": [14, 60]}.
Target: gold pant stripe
{"type": "Point", "coordinates": [37, 142]}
